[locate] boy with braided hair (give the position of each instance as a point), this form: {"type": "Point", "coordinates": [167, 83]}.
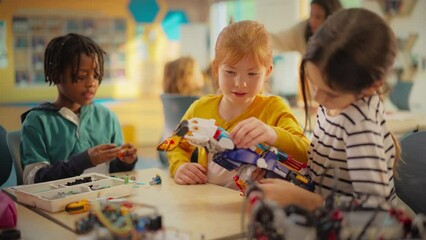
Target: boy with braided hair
{"type": "Point", "coordinates": [73, 134]}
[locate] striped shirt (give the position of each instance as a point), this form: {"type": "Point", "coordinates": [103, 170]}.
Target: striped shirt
{"type": "Point", "coordinates": [353, 152]}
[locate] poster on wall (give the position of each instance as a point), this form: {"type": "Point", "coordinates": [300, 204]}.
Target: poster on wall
{"type": "Point", "coordinates": [31, 34]}
{"type": "Point", "coordinates": [3, 49]}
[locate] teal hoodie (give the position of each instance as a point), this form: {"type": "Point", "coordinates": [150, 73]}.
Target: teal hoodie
{"type": "Point", "coordinates": [59, 138]}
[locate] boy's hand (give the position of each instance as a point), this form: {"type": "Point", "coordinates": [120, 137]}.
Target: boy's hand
{"type": "Point", "coordinates": [127, 153]}
{"type": "Point", "coordinates": [191, 173]}
{"type": "Point", "coordinates": [103, 153]}
{"type": "Point", "coordinates": [252, 131]}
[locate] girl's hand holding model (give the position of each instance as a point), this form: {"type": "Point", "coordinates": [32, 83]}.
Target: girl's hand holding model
{"type": "Point", "coordinates": [246, 134]}
{"type": "Point", "coordinates": [252, 131]}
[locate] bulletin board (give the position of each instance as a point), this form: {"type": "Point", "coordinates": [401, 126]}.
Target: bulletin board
{"type": "Point", "coordinates": [31, 34]}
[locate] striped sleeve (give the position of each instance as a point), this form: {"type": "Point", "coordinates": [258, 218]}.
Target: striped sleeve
{"type": "Point", "coordinates": [353, 153]}
{"type": "Point", "coordinates": [366, 160]}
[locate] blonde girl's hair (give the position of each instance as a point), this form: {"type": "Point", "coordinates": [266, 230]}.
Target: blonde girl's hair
{"type": "Point", "coordinates": [179, 77]}
{"type": "Point", "coordinates": [241, 39]}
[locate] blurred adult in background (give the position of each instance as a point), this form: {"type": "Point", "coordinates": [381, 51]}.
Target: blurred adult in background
{"type": "Point", "coordinates": [183, 76]}
{"type": "Point", "coordinates": [296, 38]}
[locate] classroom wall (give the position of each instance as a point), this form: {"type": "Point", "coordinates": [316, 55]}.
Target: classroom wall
{"type": "Point", "coordinates": [405, 25]}
{"type": "Point", "coordinates": [147, 53]}
{"type": "Point", "coordinates": [278, 15]}
{"type": "Point", "coordinates": [146, 50]}
{"type": "Point", "coordinates": [110, 8]}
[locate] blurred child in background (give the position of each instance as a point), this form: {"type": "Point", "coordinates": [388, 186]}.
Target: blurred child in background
{"type": "Point", "coordinates": [183, 76]}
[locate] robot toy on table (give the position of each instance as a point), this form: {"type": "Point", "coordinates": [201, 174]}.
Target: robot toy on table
{"type": "Point", "coordinates": [206, 134]}
{"type": "Point", "coordinates": [335, 219]}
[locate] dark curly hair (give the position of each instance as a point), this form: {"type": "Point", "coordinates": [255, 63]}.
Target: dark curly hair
{"type": "Point", "coordinates": [64, 51]}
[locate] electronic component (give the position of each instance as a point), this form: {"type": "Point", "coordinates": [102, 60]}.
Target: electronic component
{"type": "Point", "coordinates": [78, 207]}
{"type": "Point", "coordinates": [155, 180]}
{"type": "Point", "coordinates": [118, 218]}
{"type": "Point", "coordinates": [334, 220]}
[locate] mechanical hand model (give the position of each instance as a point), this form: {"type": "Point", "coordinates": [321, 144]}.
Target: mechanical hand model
{"type": "Point", "coordinates": [201, 133]}
{"type": "Point", "coordinates": [206, 134]}
{"type": "Point", "coordinates": [336, 219]}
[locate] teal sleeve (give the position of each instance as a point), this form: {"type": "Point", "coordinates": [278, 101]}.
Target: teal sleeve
{"type": "Point", "coordinates": [117, 137]}
{"type": "Point", "coordinates": [33, 147]}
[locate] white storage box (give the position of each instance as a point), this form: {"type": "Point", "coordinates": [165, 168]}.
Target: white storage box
{"type": "Point", "coordinates": [53, 196]}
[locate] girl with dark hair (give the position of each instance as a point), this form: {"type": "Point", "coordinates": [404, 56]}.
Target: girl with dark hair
{"type": "Point", "coordinates": [352, 151]}
{"type": "Point", "coordinates": [73, 135]}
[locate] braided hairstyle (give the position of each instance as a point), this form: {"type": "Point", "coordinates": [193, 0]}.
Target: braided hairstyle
{"type": "Point", "coordinates": [65, 51]}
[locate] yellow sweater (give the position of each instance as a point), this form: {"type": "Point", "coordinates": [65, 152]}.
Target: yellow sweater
{"type": "Point", "coordinates": [272, 110]}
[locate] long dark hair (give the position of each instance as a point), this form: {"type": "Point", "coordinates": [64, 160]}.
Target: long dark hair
{"type": "Point", "coordinates": [353, 49]}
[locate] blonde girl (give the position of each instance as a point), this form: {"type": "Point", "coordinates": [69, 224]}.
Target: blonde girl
{"type": "Point", "coordinates": [243, 62]}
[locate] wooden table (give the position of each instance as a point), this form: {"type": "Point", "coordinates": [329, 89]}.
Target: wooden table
{"type": "Point", "coordinates": [402, 122]}
{"type": "Point", "coordinates": [34, 226]}
{"type": "Point", "coordinates": [200, 211]}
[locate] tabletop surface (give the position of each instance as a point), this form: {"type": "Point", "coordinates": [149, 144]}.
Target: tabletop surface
{"type": "Point", "coordinates": [33, 226]}
{"type": "Point", "coordinates": [203, 211]}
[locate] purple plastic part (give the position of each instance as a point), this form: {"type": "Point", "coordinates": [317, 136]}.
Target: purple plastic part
{"type": "Point", "coordinates": [242, 155]}
{"type": "Point", "coordinates": [271, 160]}
{"type": "Point", "coordinates": [232, 159]}
{"type": "Point", "coordinates": [283, 169]}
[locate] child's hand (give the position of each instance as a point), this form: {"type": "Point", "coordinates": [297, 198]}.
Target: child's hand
{"type": "Point", "coordinates": [277, 190]}
{"type": "Point", "coordinates": [285, 193]}
{"type": "Point", "coordinates": [252, 131]}
{"type": "Point", "coordinates": [191, 173]}
{"type": "Point", "coordinates": [127, 153]}
{"type": "Point", "coordinates": [258, 174]}
{"type": "Point", "coordinates": [103, 153]}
